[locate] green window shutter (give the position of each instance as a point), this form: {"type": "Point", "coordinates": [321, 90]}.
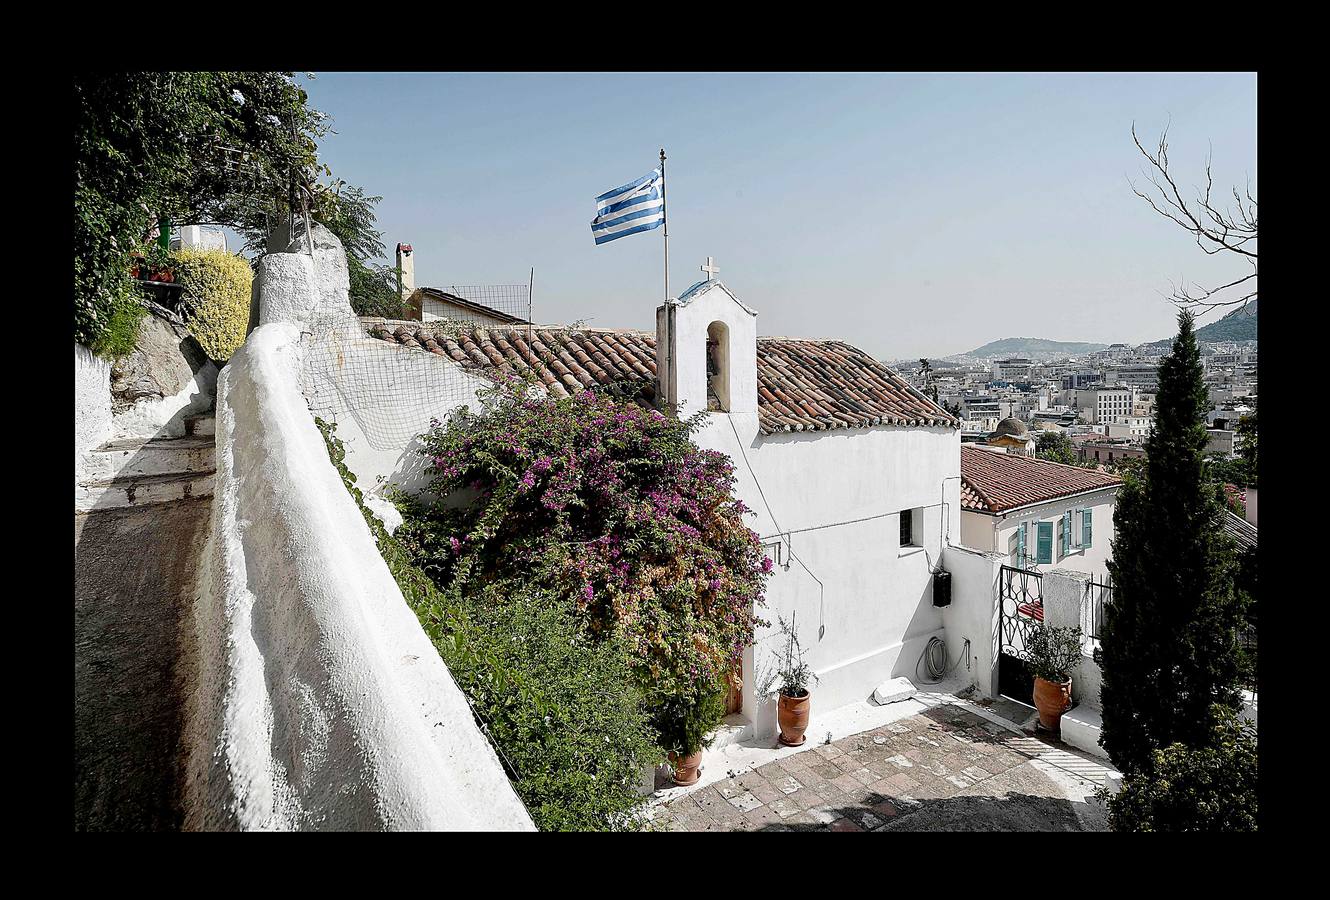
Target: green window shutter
{"type": "Point", "coordinates": [1044, 543]}
{"type": "Point", "coordinates": [1066, 532]}
{"type": "Point", "coordinates": [1087, 527]}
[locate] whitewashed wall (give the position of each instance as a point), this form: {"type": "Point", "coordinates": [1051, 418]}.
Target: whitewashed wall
{"type": "Point", "coordinates": [322, 704]}
{"type": "Point", "coordinates": [92, 402]}
{"type": "Point", "coordinates": [872, 615]}
{"type": "Point", "coordinates": [973, 614]}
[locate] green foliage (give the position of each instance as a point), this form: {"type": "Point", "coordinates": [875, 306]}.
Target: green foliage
{"type": "Point", "coordinates": [792, 674]}
{"type": "Point", "coordinates": [1210, 788]}
{"type": "Point", "coordinates": [124, 314]}
{"type": "Point", "coordinates": [216, 298]}
{"type": "Point", "coordinates": [561, 709]}
{"type": "Point", "coordinates": [684, 722]}
{"type": "Point", "coordinates": [1247, 450]}
{"type": "Point", "coordinates": [1168, 642]}
{"type": "Point", "coordinates": [1054, 652]}
{"type": "Point", "coordinates": [194, 147]}
{"type": "Point", "coordinates": [1057, 447]}
{"type": "Point", "coordinates": [611, 508]}
{"type": "Point", "coordinates": [349, 214]}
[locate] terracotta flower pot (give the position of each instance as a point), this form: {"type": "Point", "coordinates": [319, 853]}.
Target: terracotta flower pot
{"type": "Point", "coordinates": [1052, 700]}
{"type": "Point", "coordinates": [688, 769]}
{"type": "Point", "coordinates": [792, 714]}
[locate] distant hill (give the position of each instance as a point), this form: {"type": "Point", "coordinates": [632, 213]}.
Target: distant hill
{"type": "Point", "coordinates": [1033, 348]}
{"type": "Point", "coordinates": [1238, 325]}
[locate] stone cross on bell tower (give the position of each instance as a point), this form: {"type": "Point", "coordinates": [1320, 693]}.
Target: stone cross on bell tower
{"type": "Point", "coordinates": [711, 269]}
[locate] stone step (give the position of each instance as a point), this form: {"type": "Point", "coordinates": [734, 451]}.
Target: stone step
{"type": "Point", "coordinates": [132, 458]}
{"type": "Point", "coordinates": [1081, 727]}
{"type": "Point", "coordinates": [203, 424]}
{"type": "Point", "coordinates": [733, 730]}
{"type": "Point", "coordinates": [142, 490]}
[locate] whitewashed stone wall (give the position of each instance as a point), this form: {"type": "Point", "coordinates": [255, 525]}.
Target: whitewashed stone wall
{"type": "Point", "coordinates": [322, 704]}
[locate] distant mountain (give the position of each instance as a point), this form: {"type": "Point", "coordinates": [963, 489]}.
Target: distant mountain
{"type": "Point", "coordinates": [1033, 348]}
{"type": "Point", "coordinates": [1238, 325]}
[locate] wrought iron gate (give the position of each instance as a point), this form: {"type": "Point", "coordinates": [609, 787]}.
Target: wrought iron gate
{"type": "Point", "coordinates": [1021, 599]}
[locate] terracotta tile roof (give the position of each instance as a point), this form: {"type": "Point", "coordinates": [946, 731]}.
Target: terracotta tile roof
{"type": "Point", "coordinates": [996, 482]}
{"type": "Point", "coordinates": [815, 385]}
{"type": "Point", "coordinates": [1243, 532]}
{"type": "Point", "coordinates": [802, 385]}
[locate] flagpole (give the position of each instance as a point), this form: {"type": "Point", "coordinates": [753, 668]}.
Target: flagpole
{"type": "Point", "coordinates": [665, 215]}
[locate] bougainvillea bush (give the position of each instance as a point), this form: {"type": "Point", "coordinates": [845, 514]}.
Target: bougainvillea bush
{"type": "Point", "coordinates": [611, 506]}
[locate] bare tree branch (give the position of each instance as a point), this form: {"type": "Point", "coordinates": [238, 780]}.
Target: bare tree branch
{"type": "Point", "coordinates": [1215, 230]}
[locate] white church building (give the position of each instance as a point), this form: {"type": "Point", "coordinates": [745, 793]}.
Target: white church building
{"type": "Point", "coordinates": [854, 475]}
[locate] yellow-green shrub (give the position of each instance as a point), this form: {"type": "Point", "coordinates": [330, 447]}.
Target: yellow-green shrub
{"type": "Point", "coordinates": [216, 298]}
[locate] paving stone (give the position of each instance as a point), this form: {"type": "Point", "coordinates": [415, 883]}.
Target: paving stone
{"type": "Point", "coordinates": [825, 770]}
{"type": "Point", "coordinates": [879, 739]}
{"type": "Point", "coordinates": [885, 810]}
{"type": "Point", "coordinates": [788, 785]}
{"type": "Point", "coordinates": [898, 728]}
{"type": "Point", "coordinates": [865, 776]}
{"type": "Point", "coordinates": [807, 799]}
{"type": "Point", "coordinates": [846, 764]}
{"type": "Point", "coordinates": [822, 815]}
{"type": "Point", "coordinates": [829, 751]}
{"type": "Point", "coordinates": [844, 824]}
{"type": "Point", "coordinates": [846, 782]}
{"type": "Point", "coordinates": [901, 783]}
{"type": "Point", "coordinates": [785, 807]}
{"type": "Point", "coordinates": [746, 801]}
{"type": "Point", "coordinates": [900, 761]}
{"type": "Point", "coordinates": [974, 773]}
{"type": "Point", "coordinates": [761, 819]}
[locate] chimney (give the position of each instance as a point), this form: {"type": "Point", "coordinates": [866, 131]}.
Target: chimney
{"type": "Point", "coordinates": [406, 268]}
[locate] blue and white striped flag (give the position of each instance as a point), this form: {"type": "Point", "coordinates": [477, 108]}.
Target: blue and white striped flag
{"type": "Point", "coordinates": [637, 206]}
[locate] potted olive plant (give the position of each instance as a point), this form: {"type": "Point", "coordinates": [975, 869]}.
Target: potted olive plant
{"type": "Point", "coordinates": [794, 701]}
{"type": "Point", "coordinates": [685, 728]}
{"type": "Point", "coordinates": [1052, 654]}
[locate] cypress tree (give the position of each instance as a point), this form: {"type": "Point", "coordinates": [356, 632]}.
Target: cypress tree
{"type": "Point", "coordinates": [1168, 648]}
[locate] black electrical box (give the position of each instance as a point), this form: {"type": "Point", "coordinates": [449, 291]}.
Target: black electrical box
{"type": "Point", "coordinates": [941, 588]}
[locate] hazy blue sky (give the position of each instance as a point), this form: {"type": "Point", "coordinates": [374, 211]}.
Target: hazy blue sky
{"type": "Point", "coordinates": [908, 214]}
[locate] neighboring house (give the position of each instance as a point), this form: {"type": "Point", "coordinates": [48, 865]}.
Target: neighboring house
{"type": "Point", "coordinates": [1035, 512]}
{"type": "Point", "coordinates": [852, 475]}
{"type": "Point", "coordinates": [432, 304]}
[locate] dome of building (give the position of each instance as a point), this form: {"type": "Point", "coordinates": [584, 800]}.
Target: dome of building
{"type": "Point", "coordinates": [1012, 427]}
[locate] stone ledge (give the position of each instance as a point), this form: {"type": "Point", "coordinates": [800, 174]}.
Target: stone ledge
{"type": "Point", "coordinates": [1080, 729]}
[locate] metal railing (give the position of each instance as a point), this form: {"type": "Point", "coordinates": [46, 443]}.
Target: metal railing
{"type": "Point", "coordinates": [1098, 595]}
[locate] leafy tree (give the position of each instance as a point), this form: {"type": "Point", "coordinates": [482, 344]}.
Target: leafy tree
{"type": "Point", "coordinates": [1208, 788]}
{"type": "Point", "coordinates": [1169, 640]}
{"type": "Point", "coordinates": [349, 214]}
{"type": "Point", "coordinates": [197, 147]}
{"type": "Point", "coordinates": [1056, 447]}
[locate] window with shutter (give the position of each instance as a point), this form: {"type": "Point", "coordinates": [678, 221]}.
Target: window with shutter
{"type": "Point", "coordinates": [1044, 543]}
{"type": "Point", "coordinates": [1087, 527]}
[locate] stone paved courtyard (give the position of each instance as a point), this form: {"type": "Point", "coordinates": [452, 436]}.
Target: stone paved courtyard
{"type": "Point", "coordinates": [945, 769]}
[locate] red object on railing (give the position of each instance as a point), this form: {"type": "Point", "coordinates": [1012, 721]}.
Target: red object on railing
{"type": "Point", "coordinates": [1033, 610]}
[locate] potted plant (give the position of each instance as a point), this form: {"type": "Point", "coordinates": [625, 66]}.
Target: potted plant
{"type": "Point", "coordinates": [686, 726]}
{"type": "Point", "coordinates": [794, 701]}
{"type": "Point", "coordinates": [1052, 654]}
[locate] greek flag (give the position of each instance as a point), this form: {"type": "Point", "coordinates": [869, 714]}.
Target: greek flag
{"type": "Point", "coordinates": [637, 206]}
